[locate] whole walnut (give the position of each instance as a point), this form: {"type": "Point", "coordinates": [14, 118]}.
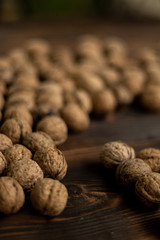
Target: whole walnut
{"type": "Point", "coordinates": [37, 47]}
{"type": "Point", "coordinates": [16, 129]}
{"type": "Point", "coordinates": [2, 88]}
{"type": "Point", "coordinates": [113, 153]}
{"type": "Point", "coordinates": [55, 127]}
{"type": "Point", "coordinates": [19, 113]}
{"type": "Point", "coordinates": [49, 197]}
{"type": "Point", "coordinates": [52, 162]}
{"type": "Point", "coordinates": [26, 171]}
{"type": "Point", "coordinates": [11, 195]}
{"type": "Point", "coordinates": [110, 76]}
{"type": "Point", "coordinates": [49, 88]}
{"type": "Point", "coordinates": [147, 189]}
{"type": "Point", "coordinates": [5, 142]}
{"type": "Point", "coordinates": [112, 45]}
{"type": "Point", "coordinates": [128, 172]}
{"type": "Point", "coordinates": [3, 163]}
{"type": "Point", "coordinates": [123, 95]}
{"type": "Point", "coordinates": [150, 98]}
{"type": "Point", "coordinates": [2, 101]}
{"type": "Point", "coordinates": [151, 156]}
{"type": "Point", "coordinates": [104, 102]}
{"type": "Point", "coordinates": [88, 81]}
{"type": "Point", "coordinates": [6, 71]}
{"type": "Point", "coordinates": [16, 152]}
{"type": "Point", "coordinates": [43, 110]}
{"type": "Point", "coordinates": [38, 140]}
{"type": "Point", "coordinates": [76, 119]}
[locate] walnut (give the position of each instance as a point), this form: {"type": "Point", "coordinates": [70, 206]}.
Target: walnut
{"type": "Point", "coordinates": [148, 189]}
{"type": "Point", "coordinates": [113, 153]}
{"type": "Point", "coordinates": [11, 195]}
{"type": "Point", "coordinates": [20, 112]}
{"type": "Point", "coordinates": [112, 45]}
{"type": "Point", "coordinates": [76, 119]}
{"type": "Point", "coordinates": [6, 72]}
{"type": "Point", "coordinates": [26, 171]}
{"type": "Point", "coordinates": [43, 110]}
{"type": "Point", "coordinates": [2, 88]}
{"type": "Point", "coordinates": [55, 127]}
{"type": "Point", "coordinates": [88, 81]}
{"type": "Point", "coordinates": [52, 162]}
{"type": "Point", "coordinates": [3, 163]}
{"type": "Point", "coordinates": [27, 81]}
{"type": "Point", "coordinates": [150, 98]}
{"type": "Point", "coordinates": [123, 94]}
{"type": "Point", "coordinates": [110, 76]}
{"type": "Point", "coordinates": [15, 129]}
{"type": "Point", "coordinates": [56, 100]}
{"type": "Point", "coordinates": [5, 142]}
{"type": "Point", "coordinates": [49, 88]}
{"type": "Point", "coordinates": [104, 102]}
{"type": "Point", "coordinates": [37, 140]}
{"type": "Point", "coordinates": [37, 47]}
{"type": "Point", "coordinates": [151, 156]}
{"type": "Point", "coordinates": [49, 197]}
{"type": "Point", "coordinates": [129, 171]}
{"type": "Point", "coordinates": [2, 101]}
{"type": "Point", "coordinates": [16, 152]}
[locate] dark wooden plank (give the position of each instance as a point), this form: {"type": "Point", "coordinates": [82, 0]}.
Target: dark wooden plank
{"type": "Point", "coordinates": [97, 208]}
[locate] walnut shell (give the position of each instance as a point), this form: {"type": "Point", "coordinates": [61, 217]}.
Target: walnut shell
{"type": "Point", "coordinates": [76, 119]}
{"type": "Point", "coordinates": [49, 197]}
{"type": "Point", "coordinates": [26, 171]}
{"type": "Point", "coordinates": [3, 163]}
{"type": "Point", "coordinates": [17, 152]}
{"type": "Point", "coordinates": [2, 101]}
{"type": "Point", "coordinates": [38, 140]}
{"type": "Point", "coordinates": [129, 171]}
{"type": "Point", "coordinates": [151, 156]}
{"type": "Point", "coordinates": [52, 162]}
{"type": "Point", "coordinates": [104, 102]}
{"type": "Point", "coordinates": [6, 72]}
{"type": "Point", "coordinates": [150, 98]}
{"type": "Point", "coordinates": [148, 189]}
{"type": "Point", "coordinates": [5, 142]}
{"type": "Point", "coordinates": [55, 127]}
{"type": "Point", "coordinates": [113, 153]}
{"type": "Point", "coordinates": [19, 113]}
{"type": "Point", "coordinates": [15, 129]}
{"type": "Point", "coordinates": [11, 195]}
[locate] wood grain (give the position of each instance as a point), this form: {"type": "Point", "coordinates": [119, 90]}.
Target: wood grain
{"type": "Point", "coordinates": [97, 208]}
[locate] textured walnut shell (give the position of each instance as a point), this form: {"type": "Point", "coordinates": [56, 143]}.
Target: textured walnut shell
{"type": "Point", "coordinates": [123, 94]}
{"type": "Point", "coordinates": [148, 189]}
{"type": "Point", "coordinates": [104, 102]}
{"type": "Point", "coordinates": [56, 100]}
{"type": "Point", "coordinates": [38, 140]}
{"type": "Point", "coordinates": [5, 142]}
{"type": "Point", "coordinates": [55, 127]}
{"type": "Point", "coordinates": [19, 113]}
{"type": "Point", "coordinates": [6, 72]}
{"type": "Point", "coordinates": [76, 119]}
{"type": "Point", "coordinates": [16, 129]}
{"type": "Point", "coordinates": [151, 156]}
{"type": "Point", "coordinates": [113, 153]}
{"type": "Point", "coordinates": [26, 171]}
{"type": "Point", "coordinates": [2, 101]}
{"type": "Point", "coordinates": [11, 195]}
{"type": "Point", "coordinates": [129, 171]}
{"type": "Point", "coordinates": [3, 163]}
{"type": "Point", "coordinates": [52, 162]}
{"type": "Point", "coordinates": [49, 197]}
{"type": "Point", "coordinates": [17, 152]}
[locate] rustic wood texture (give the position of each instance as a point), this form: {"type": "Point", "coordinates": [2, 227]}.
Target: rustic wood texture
{"type": "Point", "coordinates": [97, 208]}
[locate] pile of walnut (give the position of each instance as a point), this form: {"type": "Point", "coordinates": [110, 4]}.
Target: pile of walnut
{"type": "Point", "coordinates": [139, 171]}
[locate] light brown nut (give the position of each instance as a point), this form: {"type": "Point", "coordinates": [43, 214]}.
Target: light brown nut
{"type": "Point", "coordinates": [123, 94]}
{"type": "Point", "coordinates": [83, 99]}
{"type": "Point", "coordinates": [56, 100]}
{"type": "Point", "coordinates": [112, 45]}
{"type": "Point", "coordinates": [148, 189]}
{"type": "Point", "coordinates": [3, 163]}
{"type": "Point", "coordinates": [17, 152]}
{"type": "Point", "coordinates": [11, 195]}
{"type": "Point", "coordinates": [55, 127]}
{"type": "Point", "coordinates": [19, 113]}
{"type": "Point", "coordinates": [15, 129]}
{"type": "Point", "coordinates": [152, 157]}
{"type": "Point", "coordinates": [110, 76]}
{"type": "Point", "coordinates": [6, 72]}
{"type": "Point", "coordinates": [38, 47]}
{"type": "Point", "coordinates": [113, 153]}
{"type": "Point", "coordinates": [52, 162]}
{"type": "Point", "coordinates": [150, 98]}
{"type": "Point", "coordinates": [5, 142]}
{"type": "Point", "coordinates": [76, 119]}
{"type": "Point", "coordinates": [49, 88]}
{"type": "Point", "coordinates": [26, 171]}
{"type": "Point", "coordinates": [104, 102]}
{"type": "Point", "coordinates": [2, 88]}
{"type": "Point", "coordinates": [49, 197]}
{"type": "Point", "coordinates": [43, 110]}
{"type": "Point", "coordinates": [38, 140]}
{"type": "Point", "coordinates": [129, 171]}
{"type": "Point", "coordinates": [88, 81]}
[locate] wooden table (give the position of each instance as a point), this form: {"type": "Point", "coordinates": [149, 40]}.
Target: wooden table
{"type": "Point", "coordinates": [97, 208]}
